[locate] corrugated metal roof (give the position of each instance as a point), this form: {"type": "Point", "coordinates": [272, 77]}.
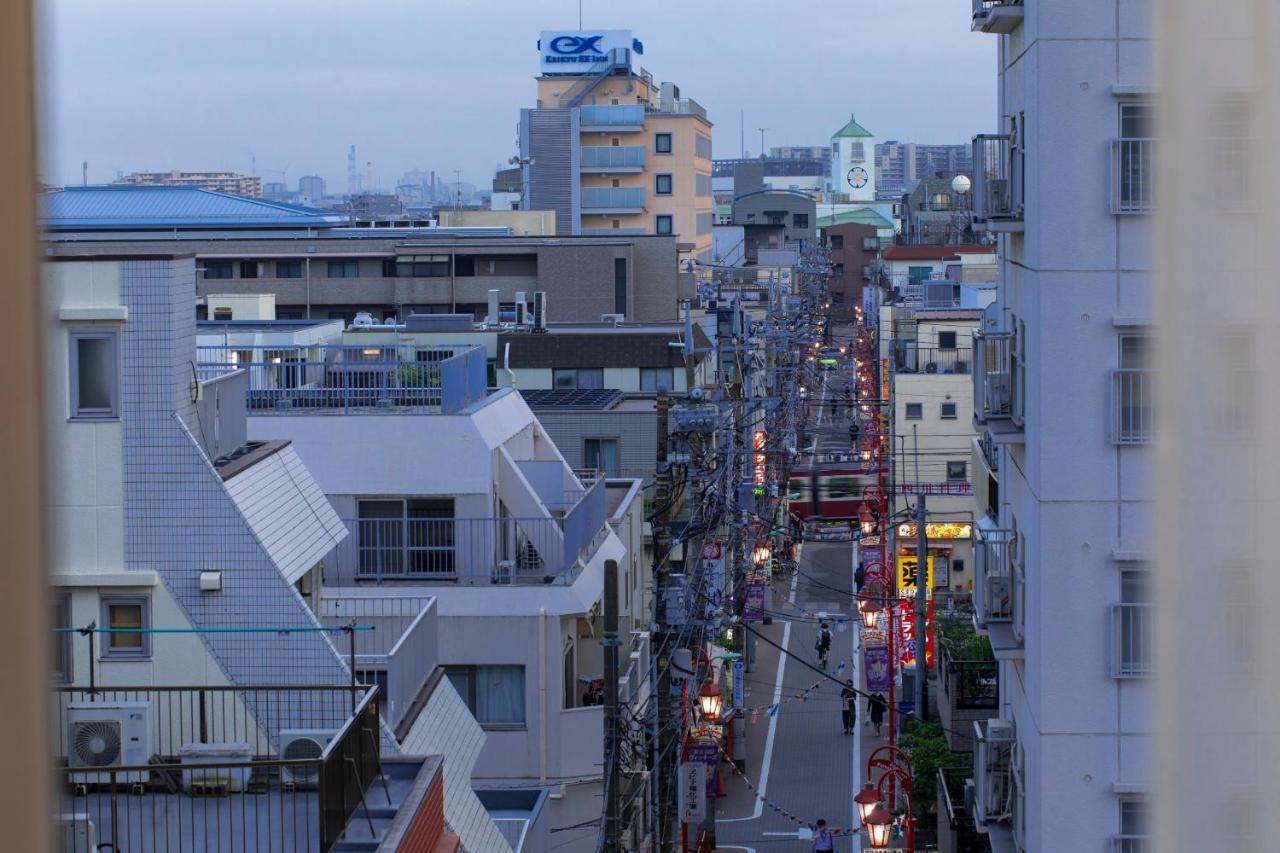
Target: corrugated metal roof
{"type": "Point", "coordinates": [84, 208]}
{"type": "Point", "coordinates": [863, 216]}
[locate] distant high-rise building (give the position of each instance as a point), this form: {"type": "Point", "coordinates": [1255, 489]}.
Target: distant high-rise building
{"type": "Point", "coordinates": [803, 152]}
{"type": "Point", "coordinates": [353, 172]}
{"type": "Point", "coordinates": [902, 165]}
{"type": "Point", "coordinates": [311, 187]}
{"type": "Point", "coordinates": [223, 182]}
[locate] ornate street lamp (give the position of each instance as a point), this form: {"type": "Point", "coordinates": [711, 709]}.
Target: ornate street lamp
{"type": "Point", "coordinates": [866, 800]}
{"type": "Point", "coordinates": [710, 700]}
{"type": "Point", "coordinates": [870, 612]}
{"type": "Point", "coordinates": [879, 824]}
{"type": "Point", "coordinates": [867, 519]}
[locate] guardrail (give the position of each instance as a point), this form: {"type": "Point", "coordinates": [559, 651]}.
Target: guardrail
{"type": "Point", "coordinates": [993, 380]}
{"type": "Point", "coordinates": [612, 198]}
{"type": "Point", "coordinates": [1132, 408]}
{"type": "Point", "coordinates": [1132, 640]}
{"type": "Point", "coordinates": [998, 177]}
{"type": "Point", "coordinates": [993, 576]}
{"type": "Point", "coordinates": [617, 156]}
{"type": "Point", "coordinates": [909, 359]}
{"type": "Point", "coordinates": [612, 115]}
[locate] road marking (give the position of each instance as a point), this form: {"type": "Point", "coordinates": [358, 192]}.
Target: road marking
{"type": "Point", "coordinates": [773, 720]}
{"type": "Point", "coordinates": [856, 774]}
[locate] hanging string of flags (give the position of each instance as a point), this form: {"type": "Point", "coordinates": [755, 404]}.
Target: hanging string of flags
{"type": "Point", "coordinates": [777, 809]}
{"type": "Point", "coordinates": [801, 696]}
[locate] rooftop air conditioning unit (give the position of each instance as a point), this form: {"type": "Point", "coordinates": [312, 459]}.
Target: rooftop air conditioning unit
{"type": "Point", "coordinates": [363, 320]}
{"type": "Point", "coordinates": [522, 309]}
{"type": "Point", "coordinates": [76, 833]}
{"type": "Point", "coordinates": [1000, 731]}
{"type": "Point", "coordinates": [300, 745]}
{"type": "Point", "coordinates": [109, 734]}
{"type": "Point", "coordinates": [615, 319]}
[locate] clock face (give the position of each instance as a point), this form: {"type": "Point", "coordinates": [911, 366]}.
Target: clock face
{"type": "Point", "coordinates": [857, 177]}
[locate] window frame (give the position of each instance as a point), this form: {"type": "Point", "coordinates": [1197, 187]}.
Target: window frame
{"type": "Point", "coordinates": [963, 469]}
{"type": "Point", "coordinates": [658, 182]}
{"type": "Point", "coordinates": [942, 411]}
{"type": "Point", "coordinates": [346, 269]}
{"type": "Point", "coordinates": [870, 244]}
{"type": "Point", "coordinates": [249, 269]}
{"type": "Point", "coordinates": [223, 266]}
{"type": "Point", "coordinates": [617, 452]}
{"type": "Point", "coordinates": [670, 222]}
{"type": "Point", "coordinates": [64, 664]}
{"type": "Point", "coordinates": [948, 335]}
{"type": "Point", "coordinates": [800, 221]}
{"type": "Point", "coordinates": [658, 142]}
{"type": "Point", "coordinates": [670, 373]}
{"type": "Point", "coordinates": [105, 649]}
{"type": "Point", "coordinates": [909, 407]}
{"type": "Point", "coordinates": [471, 699]}
{"type": "Point", "coordinates": [78, 412]}
{"type": "Point", "coordinates": [290, 265]}
{"type": "Point", "coordinates": [835, 241]}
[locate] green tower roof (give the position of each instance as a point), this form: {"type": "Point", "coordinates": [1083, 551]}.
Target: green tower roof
{"type": "Point", "coordinates": [852, 129]}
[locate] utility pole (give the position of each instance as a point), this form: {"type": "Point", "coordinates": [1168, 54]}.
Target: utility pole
{"type": "Point", "coordinates": [665, 725]}
{"type": "Point", "coordinates": [762, 130]}
{"type": "Point", "coordinates": [612, 817]}
{"type": "Point", "coordinates": [923, 591]}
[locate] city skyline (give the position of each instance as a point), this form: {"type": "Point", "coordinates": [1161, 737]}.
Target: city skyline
{"type": "Point", "coordinates": [220, 116]}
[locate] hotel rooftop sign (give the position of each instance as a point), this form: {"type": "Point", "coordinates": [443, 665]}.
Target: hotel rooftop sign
{"type": "Point", "coordinates": [576, 51]}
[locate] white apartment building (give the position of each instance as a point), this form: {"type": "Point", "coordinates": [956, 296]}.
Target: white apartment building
{"type": "Point", "coordinates": [1061, 401]}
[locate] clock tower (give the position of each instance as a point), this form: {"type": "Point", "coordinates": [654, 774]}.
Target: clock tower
{"type": "Point", "coordinates": [853, 162]}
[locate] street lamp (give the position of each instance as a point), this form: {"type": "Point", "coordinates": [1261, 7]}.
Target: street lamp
{"type": "Point", "coordinates": [870, 612]}
{"type": "Point", "coordinates": [868, 520]}
{"type": "Point", "coordinates": [710, 700]}
{"type": "Point", "coordinates": [879, 824]}
{"type": "Point", "coordinates": [866, 800]}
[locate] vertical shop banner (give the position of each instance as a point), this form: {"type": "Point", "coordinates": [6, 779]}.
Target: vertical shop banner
{"type": "Point", "coordinates": [908, 571]}
{"type": "Point", "coordinates": [875, 664]}
{"type": "Point", "coordinates": [753, 606]}
{"type": "Point", "coordinates": [907, 634]}
{"type": "Point", "coordinates": [738, 670]}
{"type": "Point", "coordinates": [707, 753]}
{"type": "Point", "coordinates": [692, 786]}
{"type": "Point", "coordinates": [712, 576]}
{"type": "Point", "coordinates": [869, 557]}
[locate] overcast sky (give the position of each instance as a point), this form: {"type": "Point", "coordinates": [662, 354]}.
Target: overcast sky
{"type": "Point", "coordinates": [438, 84]}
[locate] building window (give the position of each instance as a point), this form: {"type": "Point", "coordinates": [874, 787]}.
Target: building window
{"type": "Point", "coordinates": [570, 677]}
{"type": "Point", "coordinates": [662, 184]}
{"type": "Point", "coordinates": [940, 201]}
{"type": "Point", "coordinates": [957, 471]}
{"type": "Point", "coordinates": [702, 146]}
{"type": "Point", "coordinates": [580, 378]}
{"type": "Point", "coordinates": [222, 314]}
{"type": "Point", "coordinates": [664, 224]}
{"type": "Point", "coordinates": [61, 659]}
{"type": "Point", "coordinates": [218, 269]}
{"type": "Point", "coordinates": [620, 286]}
{"type": "Point", "coordinates": [918, 274]}
{"type": "Point", "coordinates": [1133, 412]}
{"type": "Point", "coordinates": [494, 694]}
{"type": "Point", "coordinates": [837, 297]}
{"type": "Point", "coordinates": [388, 267]}
{"type": "Point", "coordinates": [422, 266]}
{"type": "Point", "coordinates": [601, 454]}
{"type": "Point", "coordinates": [405, 537]}
{"type": "Point", "coordinates": [948, 411]}
{"type": "Point", "coordinates": [1134, 826]}
{"type": "Point", "coordinates": [837, 270]}
{"type": "Point", "coordinates": [915, 411]}
{"type": "Point", "coordinates": [870, 244]}
{"type": "Point", "coordinates": [653, 378]}
{"type": "Point", "coordinates": [95, 375]}
{"type": "Point", "coordinates": [288, 269]}
{"type": "Point", "coordinates": [946, 340]}
{"type": "Point", "coordinates": [344, 269]}
{"type": "Point", "coordinates": [662, 143]}
{"type": "Point", "coordinates": [836, 241]}
{"type": "Point", "coordinates": [127, 617]}
{"type": "Point", "coordinates": [799, 220]}
{"type": "Point", "coordinates": [1136, 165]}
{"type": "Point", "coordinates": [464, 266]}
{"type": "Point", "coordinates": [248, 269]}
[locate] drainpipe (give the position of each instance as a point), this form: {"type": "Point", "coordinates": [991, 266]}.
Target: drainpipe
{"type": "Point", "coordinates": [506, 362]}
{"type": "Point", "coordinates": [542, 696]}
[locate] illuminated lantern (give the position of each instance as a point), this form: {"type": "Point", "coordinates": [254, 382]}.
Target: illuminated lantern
{"type": "Point", "coordinates": [710, 700]}
{"type": "Point", "coordinates": [879, 824]}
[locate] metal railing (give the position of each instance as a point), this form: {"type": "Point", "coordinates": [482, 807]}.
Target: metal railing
{"type": "Point", "coordinates": [1132, 406]}
{"type": "Point", "coordinates": [1133, 176]}
{"type": "Point", "coordinates": [993, 379]}
{"type": "Point", "coordinates": [992, 576]}
{"type": "Point", "coordinates": [612, 198]}
{"type": "Point", "coordinates": [914, 359]}
{"type": "Point", "coordinates": [982, 7]}
{"type": "Point", "coordinates": [998, 177]}
{"type": "Point", "coordinates": [621, 115]}
{"type": "Point", "coordinates": [619, 156]}
{"type": "Point", "coordinates": [970, 685]}
{"type": "Point", "coordinates": [1131, 640]}
{"type": "Point", "coordinates": [217, 767]}
{"type": "Point", "coordinates": [1131, 843]}
{"type": "Point", "coordinates": [351, 378]}
{"type": "Point", "coordinates": [680, 106]}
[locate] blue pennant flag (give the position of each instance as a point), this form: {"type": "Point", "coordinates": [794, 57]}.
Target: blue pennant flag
{"type": "Point", "coordinates": [773, 710]}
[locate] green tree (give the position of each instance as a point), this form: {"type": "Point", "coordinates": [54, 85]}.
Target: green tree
{"type": "Point", "coordinates": [926, 746]}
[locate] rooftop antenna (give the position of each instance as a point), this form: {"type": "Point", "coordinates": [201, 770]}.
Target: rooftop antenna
{"type": "Point", "coordinates": [84, 173]}
{"type": "Point", "coordinates": [579, 14]}
{"type": "Point", "coordinates": [762, 130]}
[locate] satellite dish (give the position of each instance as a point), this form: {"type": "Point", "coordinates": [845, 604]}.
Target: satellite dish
{"type": "Point", "coordinates": [960, 184]}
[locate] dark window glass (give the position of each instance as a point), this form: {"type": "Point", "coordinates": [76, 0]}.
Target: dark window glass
{"type": "Point", "coordinates": [664, 225]}
{"type": "Point", "coordinates": [620, 286]}
{"type": "Point", "coordinates": [464, 265]}
{"type": "Point", "coordinates": [662, 143]}
{"type": "Point", "coordinates": [662, 184]}
{"type": "Point", "coordinates": [344, 269]}
{"type": "Point", "coordinates": [248, 269]}
{"type": "Point", "coordinates": [288, 269]}
{"type": "Point", "coordinates": [218, 269]}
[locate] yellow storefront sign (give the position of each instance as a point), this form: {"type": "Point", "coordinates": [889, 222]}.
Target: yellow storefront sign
{"type": "Point", "coordinates": [907, 573]}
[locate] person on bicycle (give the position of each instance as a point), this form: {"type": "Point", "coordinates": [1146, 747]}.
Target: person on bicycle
{"type": "Point", "coordinates": [823, 642]}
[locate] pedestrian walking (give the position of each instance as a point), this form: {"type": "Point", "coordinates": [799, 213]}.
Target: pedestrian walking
{"type": "Point", "coordinates": [823, 643]}
{"type": "Point", "coordinates": [848, 706]}
{"type": "Point", "coordinates": [823, 840]}
{"type": "Point", "coordinates": [859, 576]}
{"type": "Point", "coordinates": [877, 706]}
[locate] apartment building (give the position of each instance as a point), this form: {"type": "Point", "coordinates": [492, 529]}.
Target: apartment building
{"type": "Point", "coordinates": [189, 555]}
{"type": "Point", "coordinates": [611, 151]}
{"type": "Point", "coordinates": [232, 183]}
{"type": "Point", "coordinates": [854, 248]}
{"type": "Point", "coordinates": [1061, 401]}
{"type": "Point", "coordinates": [317, 266]}
{"type": "Point", "coordinates": [901, 165]}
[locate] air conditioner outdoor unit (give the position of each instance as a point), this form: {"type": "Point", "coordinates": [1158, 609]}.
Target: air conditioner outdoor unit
{"type": "Point", "coordinates": [301, 744]}
{"type": "Point", "coordinates": [1000, 731]}
{"type": "Point", "coordinates": [76, 833]}
{"type": "Point", "coordinates": [109, 734]}
{"type": "Point", "coordinates": [613, 318]}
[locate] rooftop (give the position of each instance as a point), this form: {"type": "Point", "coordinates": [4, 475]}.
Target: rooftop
{"type": "Point", "coordinates": [861, 216]}
{"type": "Point", "coordinates": [260, 325]}
{"type": "Point", "coordinates": [852, 129]}
{"type": "Point", "coordinates": [933, 253]}
{"type": "Point", "coordinates": [560, 399]}
{"type": "Point", "coordinates": [143, 207]}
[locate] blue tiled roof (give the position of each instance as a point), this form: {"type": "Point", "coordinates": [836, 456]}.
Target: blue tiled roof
{"type": "Point", "coordinates": [115, 207]}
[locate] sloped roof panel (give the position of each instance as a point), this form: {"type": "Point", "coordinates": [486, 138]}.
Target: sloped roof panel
{"type": "Point", "coordinates": [172, 207]}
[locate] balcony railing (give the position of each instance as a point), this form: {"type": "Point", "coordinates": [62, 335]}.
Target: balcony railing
{"type": "Point", "coordinates": [996, 16]}
{"type": "Point", "coordinates": [619, 199]}
{"type": "Point", "coordinates": [993, 576]}
{"type": "Point", "coordinates": [1131, 844]}
{"type": "Point", "coordinates": [1132, 410]}
{"type": "Point", "coordinates": [992, 763]}
{"type": "Point", "coordinates": [605, 157]}
{"type": "Point", "coordinates": [213, 768]}
{"type": "Point", "coordinates": [998, 181]}
{"type": "Point", "coordinates": [1133, 176]}
{"type": "Point", "coordinates": [913, 359]}
{"type": "Point", "coordinates": [681, 107]}
{"type": "Point", "coordinates": [1132, 640]}
{"type": "Point", "coordinates": [439, 378]}
{"type": "Point", "coordinates": [993, 380]}
{"type": "Point", "coordinates": [612, 115]}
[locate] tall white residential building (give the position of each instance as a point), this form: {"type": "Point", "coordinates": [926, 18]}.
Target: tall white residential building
{"type": "Point", "coordinates": [1061, 400]}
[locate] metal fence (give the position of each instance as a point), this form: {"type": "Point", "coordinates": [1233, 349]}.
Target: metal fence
{"type": "Point", "coordinates": [992, 577]}
{"type": "Point", "coordinates": [1131, 640]}
{"type": "Point", "coordinates": [914, 359]}
{"type": "Point", "coordinates": [998, 176]}
{"type": "Point", "coordinates": [612, 198]}
{"type": "Point", "coordinates": [213, 768]}
{"type": "Point", "coordinates": [1132, 844]}
{"type": "Point", "coordinates": [993, 379]}
{"type": "Point", "coordinates": [1133, 176]}
{"type": "Point", "coordinates": [1132, 409]}
{"type": "Point", "coordinates": [604, 156]}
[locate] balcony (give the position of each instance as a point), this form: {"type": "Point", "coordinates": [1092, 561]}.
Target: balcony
{"type": "Point", "coordinates": [996, 16]}
{"type": "Point", "coordinates": [680, 107]}
{"type": "Point", "coordinates": [621, 117]}
{"type": "Point", "coordinates": [909, 358]}
{"type": "Point", "coordinates": [996, 379]}
{"type": "Point", "coordinates": [993, 576]}
{"type": "Point", "coordinates": [399, 654]}
{"type": "Point", "coordinates": [443, 379]}
{"type": "Point", "coordinates": [993, 794]}
{"type": "Point", "coordinates": [217, 768]}
{"type": "Point", "coordinates": [1133, 176]}
{"type": "Point", "coordinates": [969, 684]}
{"type": "Point", "coordinates": [998, 173]}
{"type": "Point", "coordinates": [612, 158]}
{"type": "Point", "coordinates": [954, 819]}
{"type": "Point", "coordinates": [1132, 640]}
{"type": "Point", "coordinates": [1132, 410]}
{"type": "Point", "coordinates": [1132, 844]}
{"type": "Point", "coordinates": [613, 199]}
